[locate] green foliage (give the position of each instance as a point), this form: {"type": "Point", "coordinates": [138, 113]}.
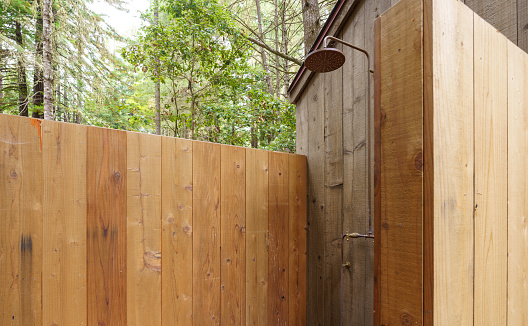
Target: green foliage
{"type": "Point", "coordinates": [212, 88]}
{"type": "Point", "coordinates": [216, 94]}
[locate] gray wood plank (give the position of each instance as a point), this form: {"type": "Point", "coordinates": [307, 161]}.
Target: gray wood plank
{"type": "Point", "coordinates": [316, 236]}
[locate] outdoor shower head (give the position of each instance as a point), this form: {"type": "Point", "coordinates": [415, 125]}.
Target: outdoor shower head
{"type": "Point", "coordinates": [324, 60]}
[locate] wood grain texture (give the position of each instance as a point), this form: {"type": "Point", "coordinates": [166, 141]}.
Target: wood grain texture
{"type": "Point", "coordinates": [401, 170]}
{"type": "Point", "coordinates": [301, 136]}
{"type": "Point", "coordinates": [233, 235]}
{"type": "Point", "coordinates": [377, 172]}
{"type": "Point", "coordinates": [64, 236]}
{"type": "Point", "coordinates": [177, 232]}
{"type": "Point", "coordinates": [453, 163]}
{"type": "Point", "coordinates": [373, 11]}
{"type": "Point", "coordinates": [106, 207]}
{"type": "Point", "coordinates": [297, 240]}
{"type": "Point", "coordinates": [143, 229]}
{"type": "Point", "coordinates": [316, 204]}
{"type": "Point", "coordinates": [11, 142]}
{"type": "Point", "coordinates": [353, 100]}
{"type": "Point", "coordinates": [206, 234]}
{"type": "Point", "coordinates": [106, 184]}
{"type": "Point", "coordinates": [428, 167]}
{"type": "Point", "coordinates": [501, 14]}
{"type": "Point", "coordinates": [491, 174]}
{"type": "Point", "coordinates": [257, 167]}
{"type": "Point", "coordinates": [517, 186]}
{"type": "Point", "coordinates": [333, 196]}
{"type": "Point", "coordinates": [30, 134]}
{"type": "Point", "coordinates": [278, 239]}
{"type": "Point", "coordinates": [355, 216]}
{"type": "Point", "coordinates": [522, 25]}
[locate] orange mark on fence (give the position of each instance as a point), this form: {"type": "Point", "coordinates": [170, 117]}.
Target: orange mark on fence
{"type": "Point", "coordinates": [36, 123]}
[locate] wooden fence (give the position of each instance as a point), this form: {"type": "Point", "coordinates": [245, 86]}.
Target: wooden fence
{"type": "Point", "coordinates": [107, 227]}
{"type": "Point", "coordinates": [452, 116]}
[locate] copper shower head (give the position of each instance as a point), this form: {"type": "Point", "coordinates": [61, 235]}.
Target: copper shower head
{"type": "Point", "coordinates": [324, 60]}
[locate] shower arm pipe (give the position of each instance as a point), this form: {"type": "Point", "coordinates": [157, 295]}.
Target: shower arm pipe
{"type": "Point", "coordinates": [369, 180]}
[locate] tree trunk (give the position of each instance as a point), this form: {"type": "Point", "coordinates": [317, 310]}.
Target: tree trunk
{"type": "Point", "coordinates": [46, 60]}
{"type": "Point", "coordinates": [311, 23]}
{"type": "Point", "coordinates": [22, 82]}
{"type": "Point", "coordinates": [277, 72]}
{"type": "Point", "coordinates": [66, 110]}
{"type": "Point", "coordinates": [57, 112]}
{"type": "Point", "coordinates": [157, 85]}
{"type": "Point", "coordinates": [262, 52]}
{"type": "Point", "coordinates": [38, 80]}
{"type": "Point", "coordinates": [286, 81]}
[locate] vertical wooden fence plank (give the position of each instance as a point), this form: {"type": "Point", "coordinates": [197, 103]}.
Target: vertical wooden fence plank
{"type": "Point", "coordinates": [453, 163]}
{"type": "Point", "coordinates": [177, 233]}
{"type": "Point", "coordinates": [373, 10]}
{"type": "Point", "coordinates": [232, 235]}
{"type": "Point", "coordinates": [278, 239]}
{"type": "Point", "coordinates": [316, 190]}
{"type": "Point", "coordinates": [256, 237]}
{"type": "Point", "coordinates": [355, 217]}
{"type": "Point", "coordinates": [10, 208]}
{"type": "Point", "coordinates": [428, 168]}
{"type": "Point", "coordinates": [491, 177]}
{"type": "Point", "coordinates": [297, 240]}
{"type": "Point", "coordinates": [301, 139]}
{"type": "Point", "coordinates": [106, 180]}
{"type": "Point", "coordinates": [206, 235]}
{"type": "Point", "coordinates": [377, 171]}
{"type": "Point", "coordinates": [143, 229]}
{"type": "Point", "coordinates": [333, 197]}
{"type": "Point", "coordinates": [517, 186]}
{"type": "Point", "coordinates": [401, 151]}
{"type": "Point", "coordinates": [30, 134]}
{"type": "Point", "coordinates": [64, 254]}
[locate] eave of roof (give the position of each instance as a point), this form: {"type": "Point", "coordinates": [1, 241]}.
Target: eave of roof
{"type": "Point", "coordinates": [338, 8]}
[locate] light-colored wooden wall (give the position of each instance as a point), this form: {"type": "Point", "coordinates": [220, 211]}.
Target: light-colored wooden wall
{"type": "Point", "coordinates": [107, 227]}
{"type": "Point", "coordinates": [331, 132]}
{"type": "Point", "coordinates": [453, 88]}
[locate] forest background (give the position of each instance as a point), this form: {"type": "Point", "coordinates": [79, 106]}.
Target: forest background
{"type": "Point", "coordinates": [212, 70]}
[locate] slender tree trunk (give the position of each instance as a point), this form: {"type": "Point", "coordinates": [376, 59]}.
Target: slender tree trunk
{"type": "Point", "coordinates": [1, 90]}
{"type": "Point", "coordinates": [21, 69]}
{"type": "Point", "coordinates": [157, 85]}
{"type": "Point", "coordinates": [286, 81]}
{"type": "Point", "coordinates": [46, 61]}
{"type": "Point", "coordinates": [65, 119]}
{"type": "Point", "coordinates": [193, 100]}
{"type": "Point", "coordinates": [57, 112]}
{"type": "Point", "coordinates": [176, 109]}
{"type": "Point", "coordinates": [277, 72]}
{"type": "Point", "coordinates": [38, 79]}
{"type": "Point", "coordinates": [262, 51]}
{"type": "Point", "coordinates": [311, 23]}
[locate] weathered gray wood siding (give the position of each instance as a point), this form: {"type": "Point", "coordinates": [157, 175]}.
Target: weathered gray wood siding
{"type": "Point", "coordinates": [331, 132]}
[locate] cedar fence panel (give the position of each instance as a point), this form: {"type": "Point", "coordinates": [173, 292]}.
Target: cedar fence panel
{"type": "Point", "coordinates": [451, 184]}
{"type": "Point", "coordinates": [107, 227]}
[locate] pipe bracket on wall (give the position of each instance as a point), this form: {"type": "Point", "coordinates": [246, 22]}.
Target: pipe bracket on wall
{"type": "Point", "coordinates": [354, 235]}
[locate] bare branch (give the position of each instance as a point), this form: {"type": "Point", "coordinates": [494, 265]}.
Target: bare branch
{"type": "Point", "coordinates": [282, 55]}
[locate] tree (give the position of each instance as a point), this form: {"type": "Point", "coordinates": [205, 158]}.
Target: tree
{"type": "Point", "coordinates": [47, 59]}
{"type": "Point", "coordinates": [311, 23]}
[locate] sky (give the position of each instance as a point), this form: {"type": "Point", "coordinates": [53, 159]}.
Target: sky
{"type": "Point", "coordinates": [125, 23]}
